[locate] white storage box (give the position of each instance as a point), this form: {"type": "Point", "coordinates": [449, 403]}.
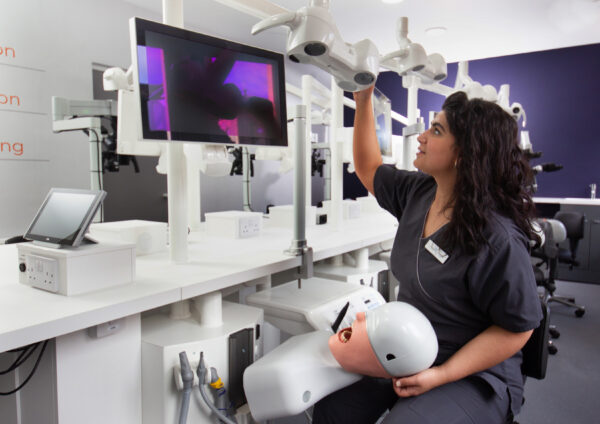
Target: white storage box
{"type": "Point", "coordinates": [148, 236]}
{"type": "Point", "coordinates": [72, 271]}
{"type": "Point", "coordinates": [350, 208]}
{"type": "Point", "coordinates": [233, 224]}
{"type": "Point", "coordinates": [283, 216]}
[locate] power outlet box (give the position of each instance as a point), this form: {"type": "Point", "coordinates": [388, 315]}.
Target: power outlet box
{"type": "Point", "coordinates": [234, 224]}
{"type": "Point", "coordinates": [71, 271]}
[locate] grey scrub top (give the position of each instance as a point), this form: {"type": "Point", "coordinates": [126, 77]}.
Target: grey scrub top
{"type": "Point", "coordinates": [467, 293]}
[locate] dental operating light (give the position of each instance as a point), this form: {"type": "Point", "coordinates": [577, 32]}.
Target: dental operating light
{"type": "Point", "coordinates": [411, 58]}
{"type": "Point", "coordinates": [315, 39]}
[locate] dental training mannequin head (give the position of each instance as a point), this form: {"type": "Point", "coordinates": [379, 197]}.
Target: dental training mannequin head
{"type": "Point", "coordinates": [393, 340]}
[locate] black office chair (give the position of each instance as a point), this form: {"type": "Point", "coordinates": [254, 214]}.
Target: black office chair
{"type": "Point", "coordinates": [546, 268]}
{"type": "Point", "coordinates": [574, 224]}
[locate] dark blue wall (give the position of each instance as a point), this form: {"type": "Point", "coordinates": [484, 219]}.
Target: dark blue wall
{"type": "Point", "coordinates": [560, 91]}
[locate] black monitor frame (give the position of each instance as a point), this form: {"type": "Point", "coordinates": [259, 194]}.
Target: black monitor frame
{"type": "Point", "coordinates": [76, 237]}
{"type": "Point", "coordinates": [138, 28]}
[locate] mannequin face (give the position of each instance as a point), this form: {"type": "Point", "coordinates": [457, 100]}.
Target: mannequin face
{"type": "Point", "coordinates": [353, 351]}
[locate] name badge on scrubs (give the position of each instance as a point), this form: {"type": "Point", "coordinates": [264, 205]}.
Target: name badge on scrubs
{"type": "Point", "coordinates": [436, 251]}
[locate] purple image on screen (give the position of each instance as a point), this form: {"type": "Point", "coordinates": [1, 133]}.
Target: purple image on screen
{"type": "Point", "coordinates": [253, 80]}
{"type": "Point", "coordinates": [151, 65]}
{"type": "Point", "coordinates": [229, 126]}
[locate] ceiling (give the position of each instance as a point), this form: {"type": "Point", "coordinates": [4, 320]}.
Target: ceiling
{"type": "Point", "coordinates": [475, 28]}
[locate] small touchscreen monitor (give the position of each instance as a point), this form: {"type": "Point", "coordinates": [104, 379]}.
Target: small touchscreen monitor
{"type": "Point", "coordinates": [65, 216]}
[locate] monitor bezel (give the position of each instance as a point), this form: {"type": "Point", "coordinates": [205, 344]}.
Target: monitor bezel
{"type": "Point", "coordinates": [137, 28]}
{"type": "Point", "coordinates": [99, 196]}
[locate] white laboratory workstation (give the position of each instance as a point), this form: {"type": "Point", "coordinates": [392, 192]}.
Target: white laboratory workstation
{"type": "Point", "coordinates": [113, 336]}
{"type": "Point", "coordinates": [92, 367]}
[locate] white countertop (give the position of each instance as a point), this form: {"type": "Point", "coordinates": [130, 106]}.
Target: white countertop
{"type": "Point", "coordinates": [29, 315]}
{"type": "Point", "coordinates": [568, 200]}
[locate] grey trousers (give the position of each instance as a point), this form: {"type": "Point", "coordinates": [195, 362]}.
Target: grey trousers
{"type": "Point", "coordinates": [467, 401]}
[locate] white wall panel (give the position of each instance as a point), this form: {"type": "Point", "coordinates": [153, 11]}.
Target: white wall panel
{"type": "Point", "coordinates": [54, 45]}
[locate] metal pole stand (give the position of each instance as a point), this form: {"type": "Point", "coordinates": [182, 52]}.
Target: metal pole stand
{"type": "Point", "coordinates": [299, 245]}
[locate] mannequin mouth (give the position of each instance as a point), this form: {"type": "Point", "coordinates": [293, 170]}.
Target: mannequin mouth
{"type": "Point", "coordinates": [345, 335]}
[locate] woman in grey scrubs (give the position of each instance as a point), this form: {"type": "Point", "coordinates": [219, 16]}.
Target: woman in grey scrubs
{"type": "Point", "coordinates": [461, 257]}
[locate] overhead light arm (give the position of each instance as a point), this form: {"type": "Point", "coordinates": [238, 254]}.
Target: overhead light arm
{"type": "Point", "coordinates": [411, 58]}
{"type": "Point", "coordinates": [260, 9]}
{"type": "Point", "coordinates": [289, 19]}
{"type": "Point", "coordinates": [315, 39]}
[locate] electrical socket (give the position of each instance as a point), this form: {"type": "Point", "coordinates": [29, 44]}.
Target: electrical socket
{"type": "Point", "coordinates": [249, 227]}
{"type": "Point", "coordinates": [42, 272]}
{"type": "Point", "coordinates": [234, 224]}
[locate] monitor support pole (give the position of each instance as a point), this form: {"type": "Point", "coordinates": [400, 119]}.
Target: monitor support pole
{"type": "Point", "coordinates": [176, 166]}
{"type": "Point", "coordinates": [299, 245]}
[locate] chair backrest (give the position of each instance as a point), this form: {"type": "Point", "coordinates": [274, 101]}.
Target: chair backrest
{"type": "Point", "coordinates": [574, 223]}
{"type": "Point", "coordinates": [554, 233]}
{"type": "Point", "coordinates": [535, 352]}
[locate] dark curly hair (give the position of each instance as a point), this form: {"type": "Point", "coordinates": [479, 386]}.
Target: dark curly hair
{"type": "Point", "coordinates": [492, 172]}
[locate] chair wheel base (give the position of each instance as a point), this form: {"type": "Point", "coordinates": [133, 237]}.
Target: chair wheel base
{"type": "Point", "coordinates": [579, 312]}
{"type": "Point", "coordinates": [554, 333]}
{"type": "Point", "coordinates": [552, 350]}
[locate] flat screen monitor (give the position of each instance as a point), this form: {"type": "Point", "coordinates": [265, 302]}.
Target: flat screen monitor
{"type": "Point", "coordinates": [193, 87]}
{"type": "Point", "coordinates": [65, 216]}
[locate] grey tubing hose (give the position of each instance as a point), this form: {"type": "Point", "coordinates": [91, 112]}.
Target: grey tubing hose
{"type": "Point", "coordinates": [185, 405]}
{"type": "Point", "coordinates": [222, 417]}
{"type": "Point", "coordinates": [187, 376]}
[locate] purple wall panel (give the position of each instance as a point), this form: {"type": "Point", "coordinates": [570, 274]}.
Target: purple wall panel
{"type": "Point", "coordinates": [560, 91]}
